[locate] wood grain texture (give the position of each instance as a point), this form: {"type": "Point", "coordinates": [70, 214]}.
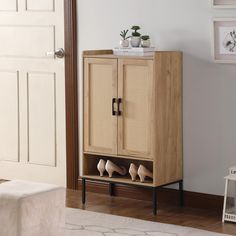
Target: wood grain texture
{"type": "Point", "coordinates": [71, 86]}
{"type": "Point", "coordinates": [100, 87]}
{"type": "Point", "coordinates": [150, 124]}
{"type": "Point", "coordinates": [111, 56]}
{"type": "Point", "coordinates": [92, 53]}
{"type": "Point", "coordinates": [135, 85]}
{"type": "Point", "coordinates": [205, 219]}
{"type": "Point", "coordinates": [118, 179]}
{"type": "Point", "coordinates": [90, 162]}
{"type": "Point", "coordinates": [168, 107]}
{"type": "Point", "coordinates": [133, 158]}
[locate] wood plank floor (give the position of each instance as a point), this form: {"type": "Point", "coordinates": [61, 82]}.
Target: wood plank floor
{"type": "Point", "coordinates": [201, 219]}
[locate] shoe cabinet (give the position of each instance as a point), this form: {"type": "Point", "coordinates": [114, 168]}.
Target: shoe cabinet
{"type": "Point", "coordinates": [133, 114]}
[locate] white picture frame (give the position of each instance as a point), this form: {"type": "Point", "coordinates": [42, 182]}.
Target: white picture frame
{"type": "Point", "coordinates": [226, 4]}
{"type": "Point", "coordinates": [224, 40]}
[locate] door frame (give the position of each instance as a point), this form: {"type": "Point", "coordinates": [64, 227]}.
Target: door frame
{"type": "Point", "coordinates": [71, 93]}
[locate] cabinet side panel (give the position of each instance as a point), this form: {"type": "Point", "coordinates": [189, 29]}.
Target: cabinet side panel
{"type": "Point", "coordinates": [169, 160]}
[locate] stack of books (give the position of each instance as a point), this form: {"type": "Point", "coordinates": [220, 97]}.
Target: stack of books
{"type": "Point", "coordinates": [134, 51]}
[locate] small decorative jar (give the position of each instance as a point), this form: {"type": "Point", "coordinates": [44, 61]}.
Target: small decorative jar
{"type": "Point", "coordinates": [145, 41]}
{"type": "Point", "coordinates": [124, 43]}
{"type": "Point", "coordinates": [135, 41]}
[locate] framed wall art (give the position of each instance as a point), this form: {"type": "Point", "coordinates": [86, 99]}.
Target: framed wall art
{"type": "Point", "coordinates": [224, 40]}
{"type": "Point", "coordinates": [224, 3]}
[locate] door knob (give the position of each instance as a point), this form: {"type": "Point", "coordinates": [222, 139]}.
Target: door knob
{"type": "Point", "coordinates": [59, 53]}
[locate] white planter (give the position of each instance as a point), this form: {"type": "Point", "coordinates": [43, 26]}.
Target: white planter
{"type": "Point", "coordinates": [124, 43]}
{"type": "Point", "coordinates": [135, 41]}
{"type": "Point", "coordinates": [146, 43]}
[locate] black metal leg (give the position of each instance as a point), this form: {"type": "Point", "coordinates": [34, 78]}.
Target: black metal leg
{"type": "Point", "coordinates": [154, 200]}
{"type": "Point", "coordinates": [181, 192]}
{"type": "Point", "coordinates": [111, 189]}
{"type": "Point", "coordinates": [83, 191]}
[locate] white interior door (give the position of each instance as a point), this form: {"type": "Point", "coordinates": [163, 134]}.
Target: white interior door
{"type": "Point", "coordinates": [32, 91]}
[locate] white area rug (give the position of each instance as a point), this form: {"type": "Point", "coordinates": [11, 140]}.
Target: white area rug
{"type": "Point", "coordinates": [85, 223]}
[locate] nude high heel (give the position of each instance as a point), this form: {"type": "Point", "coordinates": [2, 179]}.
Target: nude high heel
{"type": "Point", "coordinates": [111, 167]}
{"type": "Point", "coordinates": [133, 171]}
{"type": "Point", "coordinates": [144, 172]}
{"type": "Point", "coordinates": [101, 167]}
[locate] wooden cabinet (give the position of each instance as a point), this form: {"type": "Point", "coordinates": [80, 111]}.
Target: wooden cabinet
{"type": "Point", "coordinates": [100, 87]}
{"type": "Point", "coordinates": [133, 114]}
{"type": "Point", "coordinates": [106, 81]}
{"type": "Point", "coordinates": [135, 85]}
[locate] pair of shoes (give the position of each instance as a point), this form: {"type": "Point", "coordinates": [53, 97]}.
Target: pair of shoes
{"type": "Point", "coordinates": [142, 172]}
{"type": "Point", "coordinates": [110, 167]}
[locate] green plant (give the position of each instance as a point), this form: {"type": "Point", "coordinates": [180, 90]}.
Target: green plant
{"type": "Point", "coordinates": [136, 33]}
{"type": "Point", "coordinates": [145, 37]}
{"type": "Point", "coordinates": [123, 34]}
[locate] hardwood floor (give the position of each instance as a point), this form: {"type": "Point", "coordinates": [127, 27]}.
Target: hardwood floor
{"type": "Point", "coordinates": [196, 218]}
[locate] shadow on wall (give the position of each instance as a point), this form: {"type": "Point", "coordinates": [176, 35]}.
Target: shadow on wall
{"type": "Point", "coordinates": [209, 123]}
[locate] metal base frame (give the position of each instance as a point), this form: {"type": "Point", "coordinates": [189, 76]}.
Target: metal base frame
{"type": "Point", "coordinates": [154, 191]}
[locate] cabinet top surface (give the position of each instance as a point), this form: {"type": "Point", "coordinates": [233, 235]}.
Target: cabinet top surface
{"type": "Point", "coordinates": [112, 56]}
{"type": "Point", "coordinates": [109, 55]}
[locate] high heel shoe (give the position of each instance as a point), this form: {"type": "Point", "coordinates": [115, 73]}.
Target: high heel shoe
{"type": "Point", "coordinates": [111, 167]}
{"type": "Point", "coordinates": [133, 171]}
{"type": "Point", "coordinates": [101, 167]}
{"type": "Point", "coordinates": [144, 172]}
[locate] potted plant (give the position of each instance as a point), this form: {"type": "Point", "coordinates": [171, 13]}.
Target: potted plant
{"type": "Point", "coordinates": [135, 39]}
{"type": "Point", "coordinates": [145, 41]}
{"type": "Point", "coordinates": [124, 42]}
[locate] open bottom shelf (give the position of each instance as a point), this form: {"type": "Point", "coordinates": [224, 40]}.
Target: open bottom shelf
{"type": "Point", "coordinates": [119, 180]}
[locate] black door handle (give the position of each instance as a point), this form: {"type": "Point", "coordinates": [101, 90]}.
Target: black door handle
{"type": "Point", "coordinates": [119, 102]}
{"type": "Point", "coordinates": [114, 113]}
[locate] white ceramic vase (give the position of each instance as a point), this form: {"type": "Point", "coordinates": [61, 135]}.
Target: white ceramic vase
{"type": "Point", "coordinates": [124, 43]}
{"type": "Point", "coordinates": [135, 41]}
{"type": "Point", "coordinates": [146, 43]}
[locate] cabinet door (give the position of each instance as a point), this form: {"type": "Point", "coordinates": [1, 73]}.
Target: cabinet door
{"type": "Point", "coordinates": [135, 86]}
{"type": "Point", "coordinates": [100, 87]}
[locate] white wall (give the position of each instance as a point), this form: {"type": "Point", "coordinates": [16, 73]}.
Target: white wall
{"type": "Point", "coordinates": [209, 88]}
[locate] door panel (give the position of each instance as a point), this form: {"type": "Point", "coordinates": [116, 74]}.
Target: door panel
{"type": "Point", "coordinates": [9, 110]}
{"type": "Point", "coordinates": [8, 5]}
{"type": "Point", "coordinates": [37, 143]}
{"type": "Point", "coordinates": [27, 35]}
{"type": "Point", "coordinates": [42, 5]}
{"type": "Point", "coordinates": [100, 134]}
{"type": "Point", "coordinates": [41, 119]}
{"type": "Point", "coordinates": [135, 80]}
